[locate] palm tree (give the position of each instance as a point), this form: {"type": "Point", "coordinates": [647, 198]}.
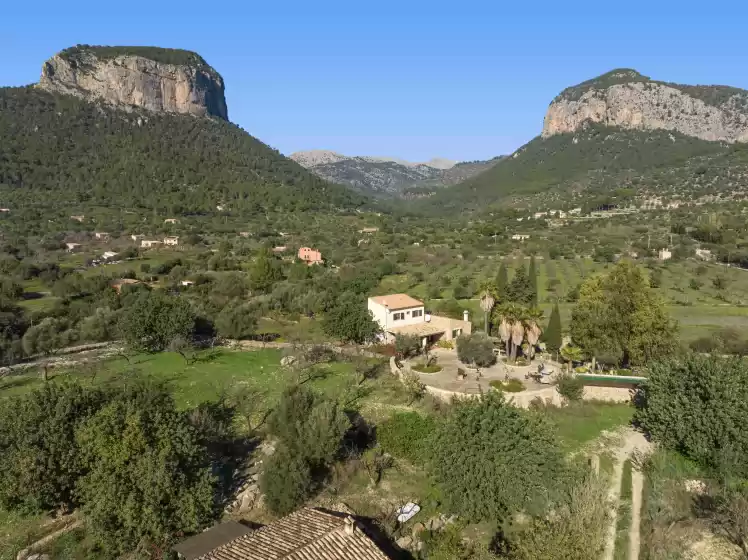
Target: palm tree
{"type": "Point", "coordinates": [509, 315]}
{"type": "Point", "coordinates": [571, 354]}
{"type": "Point", "coordinates": [487, 301]}
{"type": "Point", "coordinates": [518, 335]}
{"type": "Point", "coordinates": [532, 329]}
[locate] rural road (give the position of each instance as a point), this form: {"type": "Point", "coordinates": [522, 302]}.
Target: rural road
{"type": "Point", "coordinates": [632, 441]}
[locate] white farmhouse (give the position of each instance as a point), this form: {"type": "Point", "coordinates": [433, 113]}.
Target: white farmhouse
{"type": "Point", "coordinates": [520, 237]}
{"type": "Point", "coordinates": [400, 314]}
{"type": "Point", "coordinates": [665, 255]}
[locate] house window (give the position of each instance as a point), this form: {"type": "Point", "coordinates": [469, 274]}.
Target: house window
{"type": "Point", "coordinates": [418, 313]}
{"type": "Point", "coordinates": [398, 316]}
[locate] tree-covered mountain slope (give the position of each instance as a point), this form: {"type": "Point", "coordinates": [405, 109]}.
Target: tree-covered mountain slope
{"type": "Point", "coordinates": [599, 159]}
{"type": "Point", "coordinates": [66, 152]}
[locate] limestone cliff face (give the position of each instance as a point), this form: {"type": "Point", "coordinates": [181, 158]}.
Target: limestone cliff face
{"type": "Point", "coordinates": [133, 80]}
{"type": "Point", "coordinates": [714, 113]}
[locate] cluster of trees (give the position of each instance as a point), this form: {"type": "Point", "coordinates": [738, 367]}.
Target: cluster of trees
{"type": "Point", "coordinates": [619, 319]}
{"type": "Point", "coordinates": [138, 468]}
{"type": "Point", "coordinates": [704, 426]}
{"type": "Point", "coordinates": [492, 461]}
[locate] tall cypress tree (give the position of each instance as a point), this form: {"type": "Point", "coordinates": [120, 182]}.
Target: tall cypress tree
{"type": "Point", "coordinates": [552, 335]}
{"type": "Point", "coordinates": [519, 289]}
{"type": "Point", "coordinates": [533, 274]}
{"type": "Point", "coordinates": [502, 280]}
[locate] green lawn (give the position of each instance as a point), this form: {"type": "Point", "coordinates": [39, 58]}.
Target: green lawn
{"type": "Point", "coordinates": [582, 422]}
{"type": "Point", "coordinates": [211, 375]}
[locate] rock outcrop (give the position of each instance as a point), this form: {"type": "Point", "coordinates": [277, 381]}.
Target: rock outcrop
{"type": "Point", "coordinates": [163, 80]}
{"type": "Point", "coordinates": [626, 99]}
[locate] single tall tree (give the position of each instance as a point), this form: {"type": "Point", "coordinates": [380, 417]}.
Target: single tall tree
{"type": "Point", "coordinates": [553, 334]}
{"type": "Point", "coordinates": [487, 301]}
{"type": "Point", "coordinates": [502, 281]}
{"type": "Point", "coordinates": [533, 274]}
{"type": "Point", "coordinates": [620, 316]}
{"type": "Point", "coordinates": [519, 290]}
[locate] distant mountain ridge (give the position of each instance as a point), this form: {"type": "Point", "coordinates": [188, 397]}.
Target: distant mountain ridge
{"type": "Point", "coordinates": [388, 176]}
{"type": "Point", "coordinates": [620, 130]}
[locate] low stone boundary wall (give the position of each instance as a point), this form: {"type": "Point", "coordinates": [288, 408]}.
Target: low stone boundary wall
{"type": "Point", "coordinates": [523, 399]}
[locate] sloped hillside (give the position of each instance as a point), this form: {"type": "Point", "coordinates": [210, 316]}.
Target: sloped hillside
{"type": "Point", "coordinates": [602, 158]}
{"type": "Point", "coordinates": [63, 151]}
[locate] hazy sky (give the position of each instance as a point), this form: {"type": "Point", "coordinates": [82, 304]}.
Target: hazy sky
{"type": "Point", "coordinates": [461, 79]}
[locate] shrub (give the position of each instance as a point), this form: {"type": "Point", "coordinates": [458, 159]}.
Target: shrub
{"type": "Point", "coordinates": [149, 478]}
{"type": "Point", "coordinates": [407, 345]}
{"type": "Point", "coordinates": [40, 460]}
{"type": "Point", "coordinates": [514, 386]}
{"type": "Point", "coordinates": [286, 481]}
{"type": "Point", "coordinates": [706, 422]}
{"type": "Point", "coordinates": [414, 388]}
{"type": "Point", "coordinates": [521, 361]}
{"type": "Point", "coordinates": [475, 349]}
{"type": "Point", "coordinates": [492, 459]}
{"type": "Point", "coordinates": [570, 387]}
{"type": "Point", "coordinates": [447, 344]}
{"type": "Point", "coordinates": [576, 530]}
{"type": "Point", "coordinates": [407, 435]}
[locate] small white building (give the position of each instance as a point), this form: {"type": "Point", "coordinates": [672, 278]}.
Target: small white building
{"type": "Point", "coordinates": [149, 243]}
{"type": "Point", "coordinates": [171, 221]}
{"type": "Point", "coordinates": [109, 255]}
{"type": "Point", "coordinates": [538, 215]}
{"type": "Point", "coordinates": [704, 254]}
{"type": "Point", "coordinates": [171, 241]}
{"type": "Point", "coordinates": [137, 236]}
{"type": "Point", "coordinates": [72, 246]}
{"type": "Point", "coordinates": [187, 283]}
{"type": "Point", "coordinates": [400, 314]}
{"type": "Point", "coordinates": [665, 255]}
{"type": "Point", "coordinates": [101, 235]}
{"type": "Point", "coordinates": [520, 237]}
{"type": "Point", "coordinates": [575, 211]}
{"type": "Point", "coordinates": [78, 218]}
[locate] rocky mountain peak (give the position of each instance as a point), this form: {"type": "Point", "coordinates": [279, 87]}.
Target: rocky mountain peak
{"type": "Point", "coordinates": [156, 79]}
{"type": "Point", "coordinates": [626, 99]}
{"type": "Point", "coordinates": [310, 158]}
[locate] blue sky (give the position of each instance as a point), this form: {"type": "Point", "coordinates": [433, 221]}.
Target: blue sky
{"type": "Point", "coordinates": [462, 79]}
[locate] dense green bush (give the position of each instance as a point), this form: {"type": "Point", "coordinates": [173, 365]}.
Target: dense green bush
{"type": "Point", "coordinates": [570, 387]}
{"type": "Point", "coordinates": [475, 349]}
{"type": "Point", "coordinates": [154, 319]}
{"type": "Point", "coordinates": [407, 435]}
{"type": "Point", "coordinates": [286, 481]}
{"type": "Point", "coordinates": [697, 405]}
{"type": "Point", "coordinates": [40, 460]}
{"type": "Point", "coordinates": [148, 479]}
{"type": "Point", "coordinates": [309, 429]}
{"type": "Point", "coordinates": [492, 459]}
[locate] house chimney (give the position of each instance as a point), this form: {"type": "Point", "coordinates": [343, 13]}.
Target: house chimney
{"type": "Point", "coordinates": [466, 316]}
{"type": "Point", "coordinates": [350, 526]}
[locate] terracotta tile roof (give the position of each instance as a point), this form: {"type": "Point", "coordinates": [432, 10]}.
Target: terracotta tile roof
{"type": "Point", "coordinates": [307, 534]}
{"type": "Point", "coordinates": [397, 301]}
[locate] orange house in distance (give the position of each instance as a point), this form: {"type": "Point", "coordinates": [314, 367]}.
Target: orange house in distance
{"type": "Point", "coordinates": [310, 256]}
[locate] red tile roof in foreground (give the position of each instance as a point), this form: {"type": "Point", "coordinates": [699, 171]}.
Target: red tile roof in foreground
{"type": "Point", "coordinates": [307, 534]}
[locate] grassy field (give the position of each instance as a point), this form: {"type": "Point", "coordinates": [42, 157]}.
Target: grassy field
{"type": "Point", "coordinates": [212, 374]}
{"type": "Point", "coordinates": [581, 423]}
